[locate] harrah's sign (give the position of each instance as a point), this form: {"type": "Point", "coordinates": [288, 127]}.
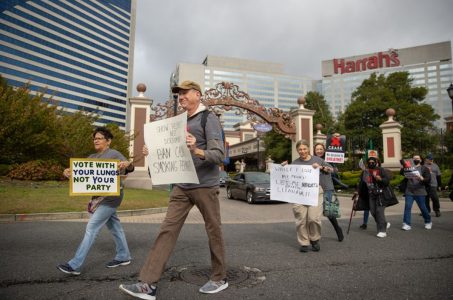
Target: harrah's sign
{"type": "Point", "coordinates": [378, 61]}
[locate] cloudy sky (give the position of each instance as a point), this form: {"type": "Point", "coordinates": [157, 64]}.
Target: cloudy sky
{"type": "Point", "coordinates": [297, 33]}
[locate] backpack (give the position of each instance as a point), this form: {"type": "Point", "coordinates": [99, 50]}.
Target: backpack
{"type": "Point", "coordinates": [204, 120]}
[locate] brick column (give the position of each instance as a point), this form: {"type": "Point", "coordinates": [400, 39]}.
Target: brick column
{"type": "Point", "coordinates": [140, 112]}
{"type": "Point", "coordinates": [391, 139]}
{"type": "Point", "coordinates": [303, 119]}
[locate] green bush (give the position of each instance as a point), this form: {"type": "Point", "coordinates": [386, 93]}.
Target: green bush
{"type": "Point", "coordinates": [4, 169]}
{"type": "Point", "coordinates": [446, 174]}
{"type": "Point", "coordinates": [37, 170]}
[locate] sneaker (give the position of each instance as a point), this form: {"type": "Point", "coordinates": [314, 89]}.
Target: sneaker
{"type": "Point", "coordinates": [429, 225]}
{"type": "Point", "coordinates": [363, 226]}
{"type": "Point", "coordinates": [304, 249]}
{"type": "Point", "coordinates": [406, 227]}
{"type": "Point", "coordinates": [140, 290]}
{"type": "Point", "coordinates": [116, 263]}
{"type": "Point", "coordinates": [212, 287]}
{"type": "Point", "coordinates": [66, 268]}
{"type": "Point", "coordinates": [315, 246]}
{"type": "Point", "coordinates": [381, 235]}
{"type": "Point", "coordinates": [388, 225]}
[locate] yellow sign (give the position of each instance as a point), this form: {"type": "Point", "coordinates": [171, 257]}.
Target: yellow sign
{"type": "Point", "coordinates": [94, 177]}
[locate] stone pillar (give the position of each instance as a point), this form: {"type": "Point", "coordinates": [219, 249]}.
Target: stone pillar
{"type": "Point", "coordinates": [269, 162]}
{"type": "Point", "coordinates": [319, 137]}
{"type": "Point", "coordinates": [391, 139]}
{"type": "Point", "coordinates": [140, 112]}
{"type": "Point", "coordinates": [303, 119]}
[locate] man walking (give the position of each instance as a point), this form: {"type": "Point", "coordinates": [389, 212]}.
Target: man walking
{"type": "Point", "coordinates": [435, 183]}
{"type": "Point", "coordinates": [206, 146]}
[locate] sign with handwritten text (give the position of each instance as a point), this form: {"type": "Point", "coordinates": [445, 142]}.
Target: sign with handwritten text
{"type": "Point", "coordinates": [169, 158]}
{"type": "Point", "coordinates": [295, 184]}
{"type": "Point", "coordinates": [94, 177]}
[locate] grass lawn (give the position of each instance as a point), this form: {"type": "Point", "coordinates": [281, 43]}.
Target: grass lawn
{"type": "Point", "coordinates": [18, 197]}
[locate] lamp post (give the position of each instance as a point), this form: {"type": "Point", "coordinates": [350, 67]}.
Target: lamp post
{"type": "Point", "coordinates": [450, 94]}
{"type": "Point", "coordinates": [258, 156]}
{"type": "Point", "coordinates": [449, 120]}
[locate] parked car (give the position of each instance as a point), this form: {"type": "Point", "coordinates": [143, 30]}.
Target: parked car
{"type": "Point", "coordinates": [250, 186]}
{"type": "Point", "coordinates": [223, 178]}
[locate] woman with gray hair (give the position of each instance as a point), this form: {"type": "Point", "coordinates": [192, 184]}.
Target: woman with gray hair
{"type": "Point", "coordinates": [308, 218]}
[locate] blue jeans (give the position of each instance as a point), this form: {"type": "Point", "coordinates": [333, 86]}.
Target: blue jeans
{"type": "Point", "coordinates": [103, 215]}
{"type": "Point", "coordinates": [408, 208]}
{"type": "Point", "coordinates": [366, 215]}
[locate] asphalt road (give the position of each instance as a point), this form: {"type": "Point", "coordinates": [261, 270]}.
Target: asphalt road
{"type": "Point", "coordinates": [261, 247]}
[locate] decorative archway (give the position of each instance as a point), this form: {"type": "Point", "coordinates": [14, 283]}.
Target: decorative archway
{"type": "Point", "coordinates": [226, 96]}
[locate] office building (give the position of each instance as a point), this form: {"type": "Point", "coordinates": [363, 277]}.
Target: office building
{"type": "Point", "coordinates": [263, 81]}
{"type": "Point", "coordinates": [429, 66]}
{"type": "Point", "coordinates": [80, 52]}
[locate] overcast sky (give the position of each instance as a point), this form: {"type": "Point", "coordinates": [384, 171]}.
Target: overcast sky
{"type": "Point", "coordinates": [297, 33]}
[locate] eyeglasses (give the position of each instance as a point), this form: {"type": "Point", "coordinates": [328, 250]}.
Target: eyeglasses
{"type": "Point", "coordinates": [98, 138]}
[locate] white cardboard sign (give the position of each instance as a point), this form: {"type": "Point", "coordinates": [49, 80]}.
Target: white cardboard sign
{"type": "Point", "coordinates": [295, 184]}
{"type": "Point", "coordinates": [169, 158]}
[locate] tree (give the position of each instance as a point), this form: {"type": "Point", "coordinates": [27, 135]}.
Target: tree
{"type": "Point", "coordinates": [370, 101]}
{"type": "Point", "coordinates": [34, 129]}
{"type": "Point", "coordinates": [278, 147]}
{"type": "Point", "coordinates": [323, 116]}
{"type": "Point", "coordinates": [28, 126]}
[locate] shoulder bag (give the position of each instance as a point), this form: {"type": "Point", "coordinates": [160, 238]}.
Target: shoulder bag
{"type": "Point", "coordinates": [331, 207]}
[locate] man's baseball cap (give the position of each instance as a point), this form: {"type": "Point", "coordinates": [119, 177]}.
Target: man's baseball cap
{"type": "Point", "coordinates": [186, 85]}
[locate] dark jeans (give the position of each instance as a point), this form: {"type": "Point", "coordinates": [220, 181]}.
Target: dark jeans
{"type": "Point", "coordinates": [378, 213]}
{"type": "Point", "coordinates": [432, 194]}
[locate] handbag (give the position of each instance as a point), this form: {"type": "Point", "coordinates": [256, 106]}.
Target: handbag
{"type": "Point", "coordinates": [389, 196]}
{"type": "Point", "coordinates": [331, 208]}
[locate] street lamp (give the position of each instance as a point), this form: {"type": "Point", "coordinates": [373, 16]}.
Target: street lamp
{"type": "Point", "coordinates": [258, 160]}
{"type": "Point", "coordinates": [450, 94]}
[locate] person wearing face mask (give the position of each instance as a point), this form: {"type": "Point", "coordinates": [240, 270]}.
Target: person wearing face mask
{"type": "Point", "coordinates": [416, 190]}
{"type": "Point", "coordinates": [435, 184]}
{"type": "Point", "coordinates": [372, 180]}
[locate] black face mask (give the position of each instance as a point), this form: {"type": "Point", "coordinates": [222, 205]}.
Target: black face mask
{"type": "Point", "coordinates": [371, 165]}
{"type": "Point", "coordinates": [416, 161]}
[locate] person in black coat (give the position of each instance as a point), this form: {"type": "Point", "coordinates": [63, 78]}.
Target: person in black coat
{"type": "Point", "coordinates": [370, 190]}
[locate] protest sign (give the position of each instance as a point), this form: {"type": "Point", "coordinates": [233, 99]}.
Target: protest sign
{"type": "Point", "coordinates": [335, 148]}
{"type": "Point", "coordinates": [94, 177]}
{"type": "Point", "coordinates": [335, 157]}
{"type": "Point", "coordinates": [295, 184]}
{"type": "Point", "coordinates": [409, 169]}
{"type": "Point", "coordinates": [170, 160]}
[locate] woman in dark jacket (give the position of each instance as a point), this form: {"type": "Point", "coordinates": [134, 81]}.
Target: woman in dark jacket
{"type": "Point", "coordinates": [372, 181]}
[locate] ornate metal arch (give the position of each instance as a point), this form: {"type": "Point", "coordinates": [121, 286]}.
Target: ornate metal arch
{"type": "Point", "coordinates": [226, 96]}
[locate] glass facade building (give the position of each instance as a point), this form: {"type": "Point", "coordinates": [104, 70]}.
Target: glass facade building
{"type": "Point", "coordinates": [79, 52]}
{"type": "Point", "coordinates": [429, 66]}
{"type": "Point", "coordinates": [263, 81]}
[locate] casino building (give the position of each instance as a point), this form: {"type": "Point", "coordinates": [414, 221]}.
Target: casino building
{"type": "Point", "coordinates": [429, 66]}
{"type": "Point", "coordinates": [81, 52]}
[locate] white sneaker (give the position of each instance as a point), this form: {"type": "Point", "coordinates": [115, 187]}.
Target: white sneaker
{"type": "Point", "coordinates": [388, 225]}
{"type": "Point", "coordinates": [212, 287]}
{"type": "Point", "coordinates": [406, 227]}
{"type": "Point", "coordinates": [429, 225]}
{"type": "Point", "coordinates": [381, 235]}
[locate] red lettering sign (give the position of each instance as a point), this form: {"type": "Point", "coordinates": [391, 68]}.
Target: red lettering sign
{"type": "Point", "coordinates": [380, 60]}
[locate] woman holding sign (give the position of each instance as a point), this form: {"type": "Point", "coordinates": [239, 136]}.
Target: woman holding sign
{"type": "Point", "coordinates": [328, 187]}
{"type": "Point", "coordinates": [308, 218]}
{"type": "Point", "coordinates": [102, 210]}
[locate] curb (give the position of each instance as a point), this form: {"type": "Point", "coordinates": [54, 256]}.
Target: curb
{"type": "Point", "coordinates": [74, 215]}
